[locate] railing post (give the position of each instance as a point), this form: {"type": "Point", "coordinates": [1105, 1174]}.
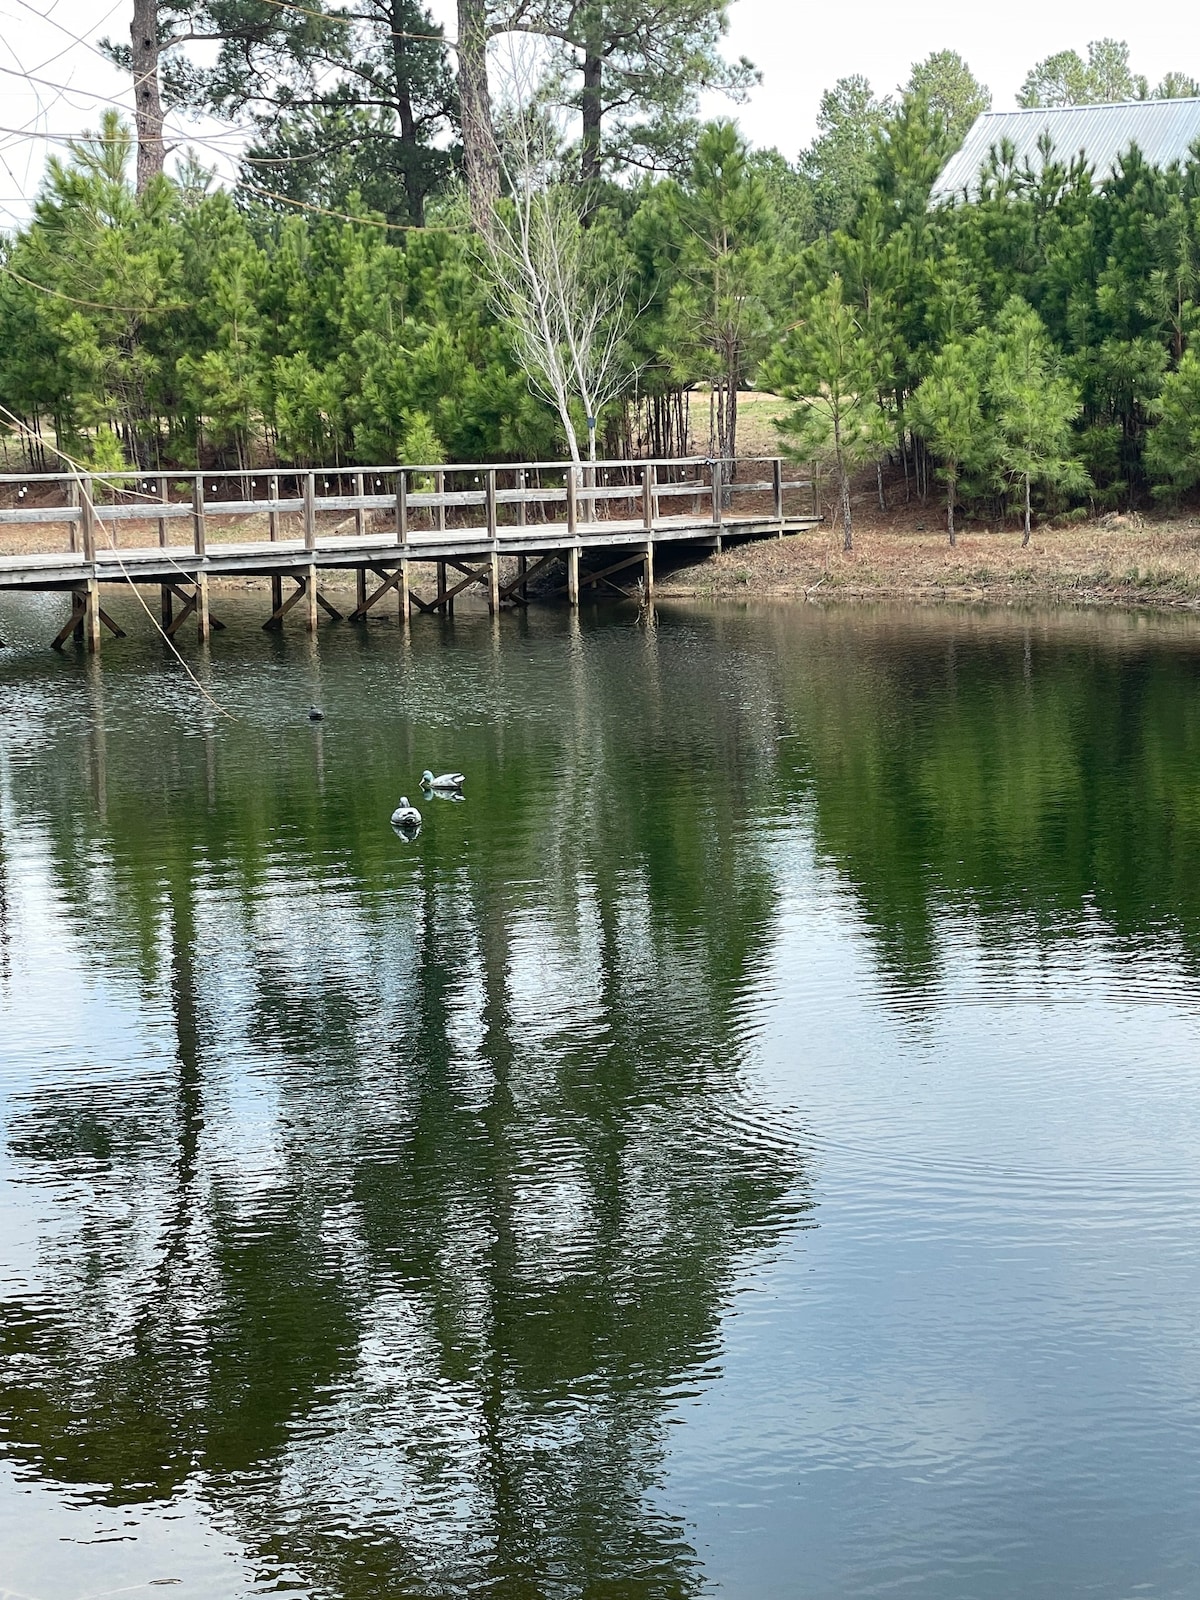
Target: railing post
{"type": "Point", "coordinates": [360, 514]}
{"type": "Point", "coordinates": [440, 485]}
{"type": "Point", "coordinates": [490, 497]}
{"type": "Point", "coordinates": [649, 474]}
{"type": "Point", "coordinates": [164, 495]}
{"type": "Point", "coordinates": [522, 483]}
{"type": "Point", "coordinates": [272, 514]}
{"type": "Point", "coordinates": [73, 503]}
{"type": "Point", "coordinates": [777, 475]}
{"type": "Point", "coordinates": [310, 511]}
{"type": "Point", "coordinates": [87, 519]}
{"type": "Point", "coordinates": [402, 507]}
{"type": "Point", "coordinates": [198, 531]}
{"type": "Point", "coordinates": [717, 493]}
{"type": "Point", "coordinates": [572, 506]}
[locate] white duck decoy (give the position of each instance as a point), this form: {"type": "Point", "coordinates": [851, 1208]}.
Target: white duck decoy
{"type": "Point", "coordinates": [444, 783]}
{"type": "Point", "coordinates": [406, 819]}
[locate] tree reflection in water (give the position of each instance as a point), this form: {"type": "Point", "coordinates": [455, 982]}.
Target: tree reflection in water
{"type": "Point", "coordinates": [440, 1203]}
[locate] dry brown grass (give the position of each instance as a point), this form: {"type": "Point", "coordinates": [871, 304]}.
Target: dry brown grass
{"type": "Point", "coordinates": [1117, 560]}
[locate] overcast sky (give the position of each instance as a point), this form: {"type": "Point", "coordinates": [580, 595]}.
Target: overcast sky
{"type": "Point", "coordinates": [800, 51]}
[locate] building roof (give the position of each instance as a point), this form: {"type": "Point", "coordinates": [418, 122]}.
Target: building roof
{"type": "Point", "coordinates": [1163, 130]}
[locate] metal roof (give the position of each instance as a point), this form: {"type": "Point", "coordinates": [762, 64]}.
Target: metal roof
{"type": "Point", "coordinates": [1163, 130]}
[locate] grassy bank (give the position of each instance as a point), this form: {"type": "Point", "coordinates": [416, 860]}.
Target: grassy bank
{"type": "Point", "coordinates": [1115, 560]}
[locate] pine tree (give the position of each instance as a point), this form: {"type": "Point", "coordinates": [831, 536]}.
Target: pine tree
{"type": "Point", "coordinates": [1033, 409]}
{"type": "Point", "coordinates": [827, 365]}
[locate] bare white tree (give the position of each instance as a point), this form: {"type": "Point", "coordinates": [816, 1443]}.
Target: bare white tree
{"type": "Point", "coordinates": [566, 308]}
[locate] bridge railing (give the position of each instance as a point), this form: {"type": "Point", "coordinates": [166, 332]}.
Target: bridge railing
{"type": "Point", "coordinates": [319, 508]}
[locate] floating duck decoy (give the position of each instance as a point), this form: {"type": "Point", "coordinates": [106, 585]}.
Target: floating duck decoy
{"type": "Point", "coordinates": [406, 819]}
{"type": "Point", "coordinates": [315, 714]}
{"type": "Point", "coordinates": [445, 783]}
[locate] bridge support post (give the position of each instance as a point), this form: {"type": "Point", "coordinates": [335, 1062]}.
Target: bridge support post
{"type": "Point", "coordinates": [360, 588]}
{"type": "Point", "coordinates": [276, 595]}
{"type": "Point", "coordinates": [494, 582]}
{"type": "Point", "coordinates": [91, 615]}
{"type": "Point", "coordinates": [166, 606]}
{"type": "Point", "coordinates": [405, 601]}
{"type": "Point", "coordinates": [573, 575]}
{"type": "Point", "coordinates": [203, 620]}
{"type": "Point", "coordinates": [444, 603]}
{"type": "Point", "coordinates": [310, 597]}
{"type": "Point", "coordinates": [523, 577]}
{"type": "Point", "coordinates": [649, 569]}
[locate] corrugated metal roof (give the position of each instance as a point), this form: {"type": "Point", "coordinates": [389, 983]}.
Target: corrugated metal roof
{"type": "Point", "coordinates": [1163, 130]}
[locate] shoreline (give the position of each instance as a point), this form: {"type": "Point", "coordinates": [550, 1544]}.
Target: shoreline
{"type": "Point", "coordinates": [1118, 561]}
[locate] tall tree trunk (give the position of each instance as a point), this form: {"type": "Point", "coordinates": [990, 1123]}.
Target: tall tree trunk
{"type": "Point", "coordinates": [592, 106]}
{"type": "Point", "coordinates": [1025, 540]}
{"type": "Point", "coordinates": [951, 488]}
{"type": "Point", "coordinates": [414, 194]}
{"type": "Point", "coordinates": [147, 99]}
{"type": "Point", "coordinates": [479, 139]}
{"type": "Point", "coordinates": [844, 490]}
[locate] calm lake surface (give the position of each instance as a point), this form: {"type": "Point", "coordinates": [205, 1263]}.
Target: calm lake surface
{"type": "Point", "coordinates": [751, 1147]}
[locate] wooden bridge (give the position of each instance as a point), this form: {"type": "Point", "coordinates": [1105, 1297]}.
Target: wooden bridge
{"type": "Point", "coordinates": [442, 528]}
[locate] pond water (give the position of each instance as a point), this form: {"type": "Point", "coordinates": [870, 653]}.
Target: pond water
{"type": "Point", "coordinates": [750, 1147]}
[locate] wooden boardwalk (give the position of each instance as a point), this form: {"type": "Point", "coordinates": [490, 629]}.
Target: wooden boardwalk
{"type": "Point", "coordinates": [422, 535]}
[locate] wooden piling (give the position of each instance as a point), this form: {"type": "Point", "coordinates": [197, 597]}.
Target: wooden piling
{"type": "Point", "coordinates": [649, 569]}
{"type": "Point", "coordinates": [167, 606]}
{"type": "Point", "coordinates": [405, 601]}
{"type": "Point", "coordinates": [310, 597]}
{"type": "Point", "coordinates": [203, 620]}
{"type": "Point", "coordinates": [360, 589]}
{"type": "Point", "coordinates": [573, 575]}
{"type": "Point", "coordinates": [494, 582]}
{"type": "Point", "coordinates": [91, 616]}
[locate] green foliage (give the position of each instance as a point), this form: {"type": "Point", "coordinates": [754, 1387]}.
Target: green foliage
{"type": "Point", "coordinates": [717, 322]}
{"type": "Point", "coordinates": [947, 410]}
{"type": "Point", "coordinates": [829, 365]}
{"type": "Point", "coordinates": [1033, 408]}
{"type": "Point", "coordinates": [1173, 451]}
{"type": "Point", "coordinates": [1066, 79]}
{"type": "Point", "coordinates": [839, 163]}
{"type": "Point", "coordinates": [953, 93]}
